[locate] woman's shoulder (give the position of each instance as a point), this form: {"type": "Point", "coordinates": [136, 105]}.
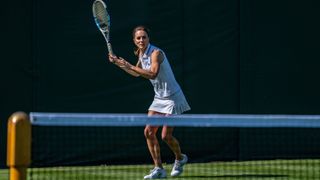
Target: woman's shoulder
{"type": "Point", "coordinates": [155, 49]}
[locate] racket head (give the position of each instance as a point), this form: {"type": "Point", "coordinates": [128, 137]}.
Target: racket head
{"type": "Point", "coordinates": [101, 16]}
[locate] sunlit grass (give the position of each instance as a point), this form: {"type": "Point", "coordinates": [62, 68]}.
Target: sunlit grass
{"type": "Point", "coordinates": [246, 170]}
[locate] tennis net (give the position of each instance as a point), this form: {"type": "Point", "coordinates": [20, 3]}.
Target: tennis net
{"type": "Point", "coordinates": [68, 146]}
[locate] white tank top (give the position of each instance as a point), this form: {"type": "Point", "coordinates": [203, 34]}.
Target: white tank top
{"type": "Point", "coordinates": [164, 84]}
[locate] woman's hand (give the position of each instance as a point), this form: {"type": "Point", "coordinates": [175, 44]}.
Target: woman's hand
{"type": "Point", "coordinates": [122, 63]}
{"type": "Point", "coordinates": [112, 58]}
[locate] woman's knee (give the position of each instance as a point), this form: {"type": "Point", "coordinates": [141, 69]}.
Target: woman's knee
{"type": "Point", "coordinates": [166, 137]}
{"type": "Point", "coordinates": [150, 132]}
{"type": "Point", "coordinates": [166, 134]}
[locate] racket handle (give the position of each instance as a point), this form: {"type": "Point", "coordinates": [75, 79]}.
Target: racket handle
{"type": "Point", "coordinates": [110, 48]}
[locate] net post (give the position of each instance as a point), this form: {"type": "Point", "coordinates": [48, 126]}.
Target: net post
{"type": "Point", "coordinates": [19, 145]}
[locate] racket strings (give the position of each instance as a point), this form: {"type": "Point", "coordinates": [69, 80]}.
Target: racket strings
{"type": "Point", "coordinates": [101, 15]}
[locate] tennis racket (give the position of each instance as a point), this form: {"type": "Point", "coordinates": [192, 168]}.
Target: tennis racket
{"type": "Point", "coordinates": [102, 20]}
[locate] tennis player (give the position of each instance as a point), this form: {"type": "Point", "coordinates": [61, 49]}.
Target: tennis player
{"type": "Point", "coordinates": [168, 100]}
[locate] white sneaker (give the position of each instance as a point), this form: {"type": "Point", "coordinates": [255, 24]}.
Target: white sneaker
{"type": "Point", "coordinates": [178, 166]}
{"type": "Point", "coordinates": [156, 173]}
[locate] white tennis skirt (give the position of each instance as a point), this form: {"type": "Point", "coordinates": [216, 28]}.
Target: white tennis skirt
{"type": "Point", "coordinates": [175, 104]}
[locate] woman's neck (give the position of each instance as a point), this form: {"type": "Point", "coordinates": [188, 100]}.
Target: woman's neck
{"type": "Point", "coordinates": [142, 51]}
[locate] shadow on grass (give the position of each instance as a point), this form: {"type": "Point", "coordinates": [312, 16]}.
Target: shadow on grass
{"type": "Point", "coordinates": [234, 176]}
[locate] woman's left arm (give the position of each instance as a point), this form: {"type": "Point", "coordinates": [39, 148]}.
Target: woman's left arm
{"type": "Point", "coordinates": [156, 59]}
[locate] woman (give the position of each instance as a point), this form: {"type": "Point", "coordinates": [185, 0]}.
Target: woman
{"type": "Point", "coordinates": [169, 99]}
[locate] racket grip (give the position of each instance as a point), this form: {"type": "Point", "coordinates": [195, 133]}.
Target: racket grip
{"type": "Point", "coordinates": [110, 48]}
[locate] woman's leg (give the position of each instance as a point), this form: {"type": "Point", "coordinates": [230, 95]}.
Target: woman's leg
{"type": "Point", "coordinates": [181, 159]}
{"type": "Point", "coordinates": [150, 132]}
{"type": "Point", "coordinates": [172, 142]}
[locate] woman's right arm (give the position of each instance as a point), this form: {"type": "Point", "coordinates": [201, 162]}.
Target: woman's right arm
{"type": "Point", "coordinates": [123, 64]}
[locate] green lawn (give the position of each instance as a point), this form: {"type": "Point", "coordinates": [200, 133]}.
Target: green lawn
{"type": "Point", "coordinates": [4, 174]}
{"type": "Point", "coordinates": [251, 170]}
